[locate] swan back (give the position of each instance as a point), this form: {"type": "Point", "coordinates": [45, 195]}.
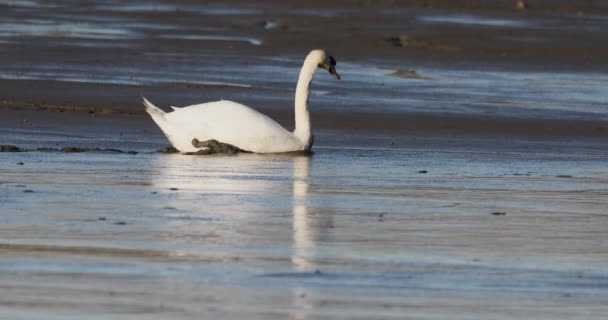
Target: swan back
{"type": "Point", "coordinates": [229, 122]}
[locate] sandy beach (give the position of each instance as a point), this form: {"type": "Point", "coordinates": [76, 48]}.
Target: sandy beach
{"type": "Point", "coordinates": [458, 171]}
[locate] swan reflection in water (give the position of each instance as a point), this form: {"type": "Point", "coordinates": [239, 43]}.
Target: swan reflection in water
{"type": "Point", "coordinates": [303, 237]}
{"type": "Point", "coordinates": [236, 201]}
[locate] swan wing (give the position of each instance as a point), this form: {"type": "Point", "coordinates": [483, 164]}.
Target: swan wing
{"type": "Point", "coordinates": [229, 122]}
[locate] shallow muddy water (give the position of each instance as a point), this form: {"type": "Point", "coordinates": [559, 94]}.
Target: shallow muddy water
{"type": "Point", "coordinates": [381, 233]}
{"type": "Point", "coordinates": [459, 166]}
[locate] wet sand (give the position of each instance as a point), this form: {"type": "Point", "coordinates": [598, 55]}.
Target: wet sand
{"type": "Point", "coordinates": [459, 168]}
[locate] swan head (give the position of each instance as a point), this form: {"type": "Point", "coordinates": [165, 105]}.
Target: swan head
{"type": "Point", "coordinates": [325, 61]}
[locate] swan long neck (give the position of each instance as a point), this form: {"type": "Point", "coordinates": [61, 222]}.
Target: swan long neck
{"type": "Point", "coordinates": [303, 127]}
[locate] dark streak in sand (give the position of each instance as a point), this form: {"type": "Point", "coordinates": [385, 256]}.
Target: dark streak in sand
{"type": "Point", "coordinates": [11, 148]}
{"type": "Point", "coordinates": [168, 150]}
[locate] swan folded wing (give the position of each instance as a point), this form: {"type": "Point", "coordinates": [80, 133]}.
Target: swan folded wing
{"type": "Point", "coordinates": [232, 123]}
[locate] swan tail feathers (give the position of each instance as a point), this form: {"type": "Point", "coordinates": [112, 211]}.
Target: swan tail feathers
{"type": "Point", "coordinates": [158, 115]}
{"type": "Point", "coordinates": [152, 109]}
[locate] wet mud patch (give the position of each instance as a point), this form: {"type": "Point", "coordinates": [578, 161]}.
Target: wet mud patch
{"type": "Point", "coordinates": [408, 74]}
{"type": "Point", "coordinates": [11, 148]}
{"type": "Point", "coordinates": [60, 107]}
{"type": "Point", "coordinates": [402, 41]}
{"type": "Point", "coordinates": [168, 150]}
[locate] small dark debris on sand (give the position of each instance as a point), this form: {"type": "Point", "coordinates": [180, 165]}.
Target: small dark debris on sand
{"type": "Point", "coordinates": [499, 213]}
{"type": "Point", "coordinates": [11, 148]}
{"type": "Point", "coordinates": [20, 163]}
{"type": "Point", "coordinates": [119, 223]}
{"type": "Point", "coordinates": [102, 218]}
{"type": "Point", "coordinates": [173, 189]}
{"type": "Point", "coordinates": [423, 171]}
{"type": "Point", "coordinates": [28, 191]}
{"type": "Point", "coordinates": [563, 176]}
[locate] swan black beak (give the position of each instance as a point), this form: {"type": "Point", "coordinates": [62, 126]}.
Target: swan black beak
{"type": "Point", "coordinates": [332, 71]}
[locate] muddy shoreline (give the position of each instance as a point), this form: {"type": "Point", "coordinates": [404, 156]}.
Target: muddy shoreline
{"type": "Point", "coordinates": [398, 123]}
{"type": "Point", "coordinates": [80, 70]}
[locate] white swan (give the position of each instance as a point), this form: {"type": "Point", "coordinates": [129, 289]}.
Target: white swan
{"type": "Point", "coordinates": [238, 125]}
